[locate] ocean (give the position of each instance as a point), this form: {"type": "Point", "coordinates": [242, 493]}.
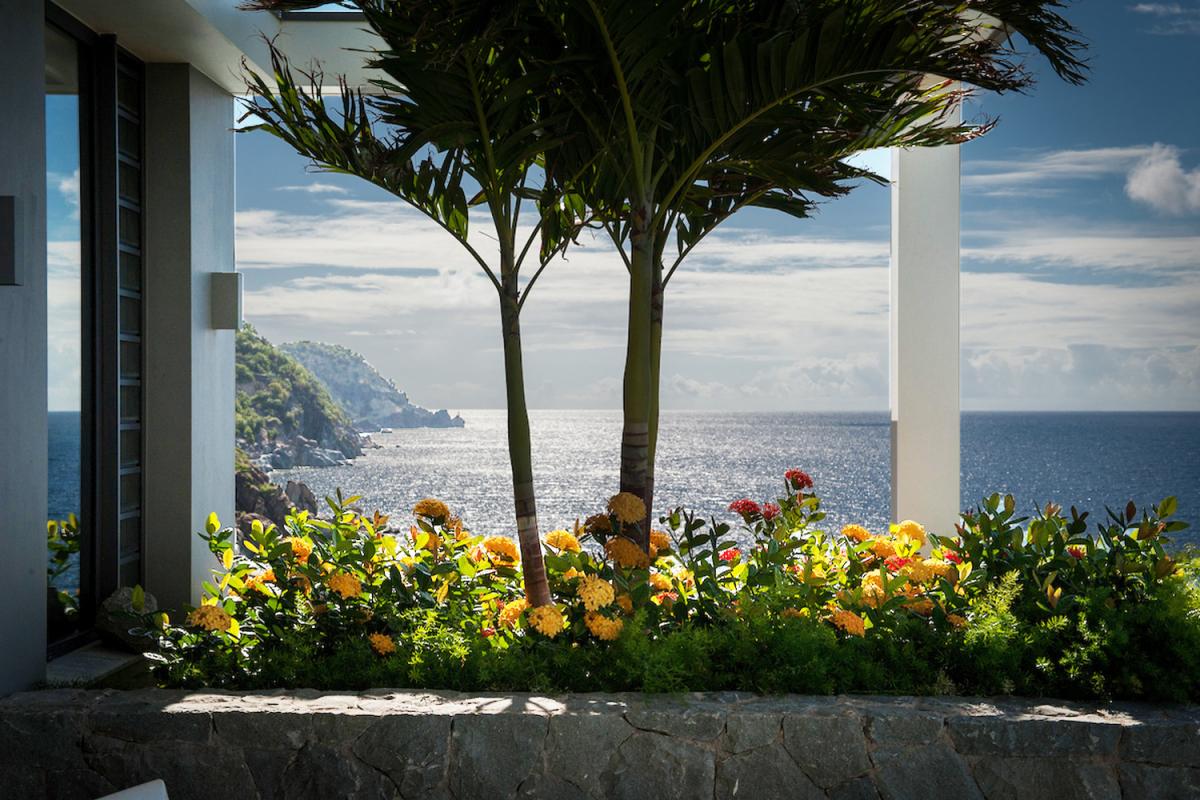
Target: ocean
{"type": "Point", "coordinates": [707, 459]}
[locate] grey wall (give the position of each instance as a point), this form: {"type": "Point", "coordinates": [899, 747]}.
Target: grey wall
{"type": "Point", "coordinates": [23, 352]}
{"type": "Point", "coordinates": [189, 366]}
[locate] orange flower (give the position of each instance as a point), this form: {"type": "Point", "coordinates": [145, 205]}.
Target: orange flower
{"type": "Point", "coordinates": [511, 612]}
{"type": "Point", "coordinates": [345, 585]}
{"type": "Point", "coordinates": [382, 644]}
{"type": "Point", "coordinates": [856, 532]}
{"type": "Point", "coordinates": [301, 548]}
{"type": "Point", "coordinates": [625, 553]}
{"type": "Point", "coordinates": [850, 622]}
{"type": "Point", "coordinates": [627, 507]}
{"type": "Point", "coordinates": [502, 549]}
{"type": "Point", "coordinates": [660, 541]}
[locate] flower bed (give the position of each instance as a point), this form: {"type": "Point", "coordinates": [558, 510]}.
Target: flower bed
{"type": "Point", "coordinates": [1012, 605]}
{"type": "Point", "coordinates": [385, 744]}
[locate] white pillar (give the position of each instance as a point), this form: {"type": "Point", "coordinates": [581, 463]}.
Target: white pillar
{"type": "Point", "coordinates": [189, 377]}
{"type": "Point", "coordinates": [924, 367]}
{"type": "Point", "coordinates": [23, 350]}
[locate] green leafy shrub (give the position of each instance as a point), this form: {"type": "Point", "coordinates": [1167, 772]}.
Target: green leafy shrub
{"type": "Point", "coordinates": [1006, 605]}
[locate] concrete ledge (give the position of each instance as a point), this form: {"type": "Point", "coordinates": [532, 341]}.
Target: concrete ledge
{"type": "Point", "coordinates": [386, 743]}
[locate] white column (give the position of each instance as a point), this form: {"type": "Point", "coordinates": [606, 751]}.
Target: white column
{"type": "Point", "coordinates": [189, 387]}
{"type": "Point", "coordinates": [924, 368]}
{"type": "Point", "coordinates": [23, 351]}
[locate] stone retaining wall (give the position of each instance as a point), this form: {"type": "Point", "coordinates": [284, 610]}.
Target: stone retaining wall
{"type": "Point", "coordinates": [382, 744]}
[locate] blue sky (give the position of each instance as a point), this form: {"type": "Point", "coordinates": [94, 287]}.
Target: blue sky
{"type": "Point", "coordinates": [1081, 266]}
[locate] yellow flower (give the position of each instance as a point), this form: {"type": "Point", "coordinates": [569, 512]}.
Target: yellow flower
{"type": "Point", "coordinates": [873, 593]}
{"type": "Point", "coordinates": [685, 577]}
{"type": "Point", "coordinates": [546, 620]}
{"type": "Point", "coordinates": [794, 613]}
{"type": "Point", "coordinates": [258, 581]}
{"type": "Point", "coordinates": [856, 532]}
{"type": "Point", "coordinates": [562, 540]}
{"type": "Point", "coordinates": [918, 571]}
{"type": "Point", "coordinates": [382, 644]}
{"type": "Point", "coordinates": [626, 553]}
{"type": "Point", "coordinates": [660, 582]}
{"type": "Point", "coordinates": [627, 507]}
{"type": "Point", "coordinates": [660, 541]}
{"type": "Point", "coordinates": [597, 525]}
{"type": "Point", "coordinates": [922, 606]}
{"type": "Point", "coordinates": [602, 627]}
{"type": "Point", "coordinates": [881, 547]}
{"type": "Point", "coordinates": [211, 618]}
{"type": "Point", "coordinates": [956, 620]}
{"type": "Point", "coordinates": [1053, 595]}
{"type": "Point", "coordinates": [572, 574]}
{"type": "Point", "coordinates": [595, 592]}
{"type": "Point", "coordinates": [345, 585]}
{"type": "Point", "coordinates": [625, 602]}
{"type": "Point", "coordinates": [432, 508]}
{"type": "Point", "coordinates": [301, 548]}
{"type": "Point", "coordinates": [911, 530]}
{"type": "Point", "coordinates": [942, 569]}
{"type": "Point", "coordinates": [511, 612]}
{"type": "Point", "coordinates": [502, 549]}
{"type": "Point", "coordinates": [849, 622]}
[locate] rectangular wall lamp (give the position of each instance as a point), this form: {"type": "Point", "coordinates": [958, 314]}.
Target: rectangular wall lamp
{"type": "Point", "coordinates": [226, 301]}
{"type": "Point", "coordinates": [10, 242]}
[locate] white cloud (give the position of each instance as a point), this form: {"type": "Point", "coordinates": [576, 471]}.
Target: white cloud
{"type": "Point", "coordinates": [1173, 18]}
{"type": "Point", "coordinates": [755, 320]}
{"type": "Point", "coordinates": [1160, 181]}
{"type": "Point", "coordinates": [314, 188]}
{"type": "Point", "coordinates": [68, 187]}
{"type": "Point", "coordinates": [992, 177]}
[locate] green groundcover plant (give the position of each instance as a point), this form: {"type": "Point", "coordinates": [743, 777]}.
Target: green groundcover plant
{"type": "Point", "coordinates": [1040, 605]}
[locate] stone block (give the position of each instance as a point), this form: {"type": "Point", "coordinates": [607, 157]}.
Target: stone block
{"type": "Point", "coordinates": [932, 772]}
{"type": "Point", "coordinates": [491, 755]}
{"type": "Point", "coordinates": [830, 748]}
{"type": "Point", "coordinates": [653, 765]}
{"type": "Point", "coordinates": [764, 772]}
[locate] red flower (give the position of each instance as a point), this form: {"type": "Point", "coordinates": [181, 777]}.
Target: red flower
{"type": "Point", "coordinates": [1077, 551]}
{"type": "Point", "coordinates": [952, 557]}
{"type": "Point", "coordinates": [487, 633]}
{"type": "Point", "coordinates": [896, 563]}
{"type": "Point", "coordinates": [799, 479]}
{"type": "Point", "coordinates": [732, 554]}
{"type": "Point", "coordinates": [746, 507]}
{"type": "Point", "coordinates": [770, 511]}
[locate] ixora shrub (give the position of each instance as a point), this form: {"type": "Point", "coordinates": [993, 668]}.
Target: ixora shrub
{"type": "Point", "coordinates": [1006, 605]}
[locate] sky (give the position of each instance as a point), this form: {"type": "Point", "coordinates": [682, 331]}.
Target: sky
{"type": "Point", "coordinates": [1080, 259]}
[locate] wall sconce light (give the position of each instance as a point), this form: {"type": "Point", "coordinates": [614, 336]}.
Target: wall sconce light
{"type": "Point", "coordinates": [10, 242]}
{"type": "Point", "coordinates": [226, 301]}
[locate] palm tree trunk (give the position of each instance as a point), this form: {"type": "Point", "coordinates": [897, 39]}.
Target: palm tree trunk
{"type": "Point", "coordinates": [656, 330]}
{"type": "Point", "coordinates": [520, 454]}
{"type": "Point", "coordinates": [635, 437]}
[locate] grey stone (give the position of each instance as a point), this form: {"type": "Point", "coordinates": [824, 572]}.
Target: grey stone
{"type": "Point", "coordinates": [1001, 778]}
{"type": "Point", "coordinates": [1175, 744]}
{"type": "Point", "coordinates": [412, 750]}
{"type": "Point", "coordinates": [1145, 782]}
{"type": "Point", "coordinates": [188, 768]}
{"type": "Point", "coordinates": [904, 728]}
{"type": "Point", "coordinates": [49, 740]}
{"type": "Point", "coordinates": [129, 725]}
{"type": "Point", "coordinates": [858, 789]}
{"type": "Point", "coordinates": [747, 731]}
{"type": "Point", "coordinates": [764, 772]}
{"type": "Point", "coordinates": [327, 772]}
{"type": "Point", "coordinates": [491, 755]}
{"type": "Point", "coordinates": [831, 749]}
{"type": "Point", "coordinates": [263, 729]}
{"type": "Point", "coordinates": [677, 719]}
{"type": "Point", "coordinates": [933, 772]}
{"type": "Point", "coordinates": [651, 765]}
{"type": "Point", "coordinates": [1013, 736]}
{"type": "Point", "coordinates": [580, 747]}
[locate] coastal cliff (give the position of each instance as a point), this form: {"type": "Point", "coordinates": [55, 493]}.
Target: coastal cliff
{"type": "Point", "coordinates": [285, 417]}
{"type": "Point", "coordinates": [371, 400]}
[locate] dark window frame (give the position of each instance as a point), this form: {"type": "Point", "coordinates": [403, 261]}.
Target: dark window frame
{"type": "Point", "coordinates": [103, 509]}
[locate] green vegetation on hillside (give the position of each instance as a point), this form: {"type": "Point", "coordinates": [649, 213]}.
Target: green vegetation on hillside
{"type": "Point", "coordinates": [278, 399]}
{"type": "Point", "coordinates": [370, 399]}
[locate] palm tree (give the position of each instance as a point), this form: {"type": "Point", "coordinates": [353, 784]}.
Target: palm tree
{"type": "Point", "coordinates": [453, 126]}
{"type": "Point", "coordinates": [681, 112]}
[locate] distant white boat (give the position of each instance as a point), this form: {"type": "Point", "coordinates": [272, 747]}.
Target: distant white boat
{"type": "Point", "coordinates": [385, 430]}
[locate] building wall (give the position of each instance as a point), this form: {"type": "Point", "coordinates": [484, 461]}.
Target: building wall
{"type": "Point", "coordinates": [189, 366]}
{"type": "Point", "coordinates": [23, 352]}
